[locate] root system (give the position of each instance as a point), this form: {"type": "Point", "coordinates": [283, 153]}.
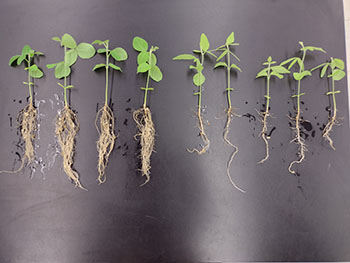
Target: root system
{"type": "Point", "coordinates": [327, 130]}
{"type": "Point", "coordinates": [105, 143]}
{"type": "Point", "coordinates": [264, 135]}
{"type": "Point", "coordinates": [202, 135]}
{"type": "Point", "coordinates": [146, 135]}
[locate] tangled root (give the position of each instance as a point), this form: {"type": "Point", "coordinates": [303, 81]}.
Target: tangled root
{"type": "Point", "coordinates": [326, 131]}
{"type": "Point", "coordinates": [226, 132]}
{"type": "Point", "coordinates": [203, 136]}
{"type": "Point", "coordinates": [28, 124]}
{"type": "Point", "coordinates": [146, 134]}
{"type": "Point", "coordinates": [300, 142]}
{"type": "Point", "coordinates": [67, 127]}
{"type": "Point", "coordinates": [105, 143]}
{"type": "Point", "coordinates": [264, 135]}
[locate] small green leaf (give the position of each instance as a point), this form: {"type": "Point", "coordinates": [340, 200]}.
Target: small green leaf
{"type": "Point", "coordinates": [99, 42]}
{"type": "Point", "coordinates": [139, 44]}
{"type": "Point", "coordinates": [222, 55]}
{"type": "Point", "coordinates": [101, 50]}
{"type": "Point", "coordinates": [38, 53]}
{"type": "Point", "coordinates": [71, 57]}
{"type": "Point", "coordinates": [62, 70]}
{"type": "Point", "coordinates": [262, 73]}
{"type": "Point", "coordinates": [204, 43]}
{"type": "Point", "coordinates": [85, 50]}
{"type": "Point", "coordinates": [20, 59]}
{"type": "Point", "coordinates": [56, 39]}
{"type": "Point", "coordinates": [114, 67]}
{"type": "Point", "coordinates": [234, 66]}
{"type": "Point", "coordinates": [155, 73]}
{"type": "Point", "coordinates": [311, 48]}
{"type": "Point", "coordinates": [102, 65]}
{"type": "Point", "coordinates": [336, 62]}
{"type": "Point", "coordinates": [280, 70]}
{"type": "Point", "coordinates": [319, 66]}
{"type": "Point", "coordinates": [212, 54]}
{"type": "Point", "coordinates": [49, 66]}
{"type": "Point", "coordinates": [230, 39]}
{"type": "Point", "coordinates": [184, 57]}
{"type": "Point", "coordinates": [196, 51]}
{"type": "Point", "coordinates": [300, 76]}
{"type": "Point", "coordinates": [13, 59]}
{"type": "Point", "coordinates": [324, 70]}
{"type": "Point", "coordinates": [142, 57]}
{"type": "Point", "coordinates": [119, 54]}
{"type": "Point", "coordinates": [220, 64]}
{"type": "Point", "coordinates": [69, 87]}
{"type": "Point", "coordinates": [26, 49]}
{"type": "Point", "coordinates": [337, 74]}
{"type": "Point", "coordinates": [35, 72]}
{"type": "Point", "coordinates": [143, 68]}
{"type": "Point", "coordinates": [287, 61]}
{"type": "Point", "coordinates": [280, 76]}
{"type": "Point", "coordinates": [198, 79]}
{"type": "Point", "coordinates": [68, 41]}
{"type": "Point", "coordinates": [153, 59]}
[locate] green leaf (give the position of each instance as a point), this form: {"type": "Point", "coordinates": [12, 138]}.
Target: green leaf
{"type": "Point", "coordinates": [13, 59]}
{"type": "Point", "coordinates": [198, 79]}
{"type": "Point", "coordinates": [184, 57]}
{"type": "Point", "coordinates": [119, 54]}
{"type": "Point", "coordinates": [85, 50]}
{"type": "Point", "coordinates": [56, 39]}
{"type": "Point", "coordinates": [300, 76]}
{"type": "Point", "coordinates": [337, 74]}
{"type": "Point", "coordinates": [280, 70]}
{"type": "Point", "coordinates": [234, 66]}
{"type": "Point", "coordinates": [204, 43]}
{"type": "Point", "coordinates": [49, 66]}
{"type": "Point", "coordinates": [38, 53]}
{"type": "Point", "coordinates": [99, 42]}
{"type": "Point", "coordinates": [62, 70]}
{"type": "Point", "coordinates": [153, 60]}
{"type": "Point", "coordinates": [69, 87]}
{"type": "Point", "coordinates": [336, 62]}
{"type": "Point", "coordinates": [20, 59]}
{"type": "Point", "coordinates": [101, 50]}
{"type": "Point", "coordinates": [114, 67]}
{"type": "Point", "coordinates": [143, 68]}
{"type": "Point", "coordinates": [26, 49]}
{"type": "Point", "coordinates": [139, 44]}
{"type": "Point", "coordinates": [280, 76]}
{"type": "Point", "coordinates": [262, 73]}
{"type": "Point", "coordinates": [35, 72]}
{"type": "Point", "coordinates": [324, 70]}
{"type": "Point", "coordinates": [311, 48]}
{"type": "Point", "coordinates": [287, 61]}
{"type": "Point", "coordinates": [98, 66]}
{"type": "Point", "coordinates": [222, 55]}
{"type": "Point", "coordinates": [155, 73]}
{"type": "Point", "coordinates": [68, 41]}
{"type": "Point", "coordinates": [196, 51]}
{"type": "Point", "coordinates": [319, 66]}
{"type": "Point", "coordinates": [142, 57]}
{"type": "Point", "coordinates": [230, 39]}
{"type": "Point", "coordinates": [220, 64]}
{"type": "Point", "coordinates": [71, 57]}
{"type": "Point", "coordinates": [212, 54]}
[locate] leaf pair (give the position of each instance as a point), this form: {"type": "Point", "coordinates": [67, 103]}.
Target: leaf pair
{"type": "Point", "coordinates": [225, 49]}
{"type": "Point", "coordinates": [146, 59]}
{"type": "Point", "coordinates": [337, 67]}
{"type": "Point", "coordinates": [26, 55]}
{"type": "Point", "coordinates": [269, 71]}
{"type": "Point", "coordinates": [82, 50]}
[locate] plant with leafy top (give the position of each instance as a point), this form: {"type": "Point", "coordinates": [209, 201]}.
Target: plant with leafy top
{"type": "Point", "coordinates": [105, 118]}
{"type": "Point", "coordinates": [299, 76]}
{"type": "Point", "coordinates": [147, 63]}
{"type": "Point", "coordinates": [67, 124]}
{"type": "Point", "coordinates": [269, 71]}
{"type": "Point", "coordinates": [198, 81]}
{"type": "Point", "coordinates": [27, 117]}
{"type": "Point", "coordinates": [336, 68]}
{"type": "Point", "coordinates": [225, 62]}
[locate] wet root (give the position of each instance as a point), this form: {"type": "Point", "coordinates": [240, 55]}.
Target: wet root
{"type": "Point", "coordinates": [202, 135]}
{"type": "Point", "coordinates": [327, 130]}
{"type": "Point", "coordinates": [226, 132]}
{"type": "Point", "coordinates": [146, 134]}
{"type": "Point", "coordinates": [67, 127]}
{"type": "Point", "coordinates": [264, 135]}
{"type": "Point", "coordinates": [105, 143]}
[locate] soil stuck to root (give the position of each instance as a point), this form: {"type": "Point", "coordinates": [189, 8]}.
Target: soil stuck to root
{"type": "Point", "coordinates": [202, 135]}
{"type": "Point", "coordinates": [67, 127]}
{"type": "Point", "coordinates": [264, 135]}
{"type": "Point", "coordinates": [105, 143]}
{"type": "Point", "coordinates": [226, 132]}
{"type": "Point", "coordinates": [27, 120]}
{"type": "Point", "coordinates": [146, 135]}
{"type": "Point", "coordinates": [327, 130]}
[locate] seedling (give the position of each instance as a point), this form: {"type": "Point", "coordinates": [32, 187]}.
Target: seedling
{"type": "Point", "coordinates": [27, 117]}
{"type": "Point", "coordinates": [105, 116]}
{"type": "Point", "coordinates": [299, 76]}
{"type": "Point", "coordinates": [268, 72]}
{"type": "Point", "coordinates": [198, 81]}
{"type": "Point", "coordinates": [337, 73]}
{"type": "Point", "coordinates": [227, 53]}
{"type": "Point", "coordinates": [146, 61]}
{"type": "Point", "coordinates": [67, 124]}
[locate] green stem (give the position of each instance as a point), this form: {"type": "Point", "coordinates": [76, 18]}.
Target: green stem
{"type": "Point", "coordinates": [228, 77]}
{"type": "Point", "coordinates": [65, 80]}
{"type": "Point", "coordinates": [29, 85]}
{"type": "Point", "coordinates": [268, 89]}
{"type": "Point", "coordinates": [147, 82]}
{"type": "Point", "coordinates": [333, 94]}
{"type": "Point", "coordinates": [107, 69]}
{"type": "Point", "coordinates": [300, 70]}
{"type": "Point", "coordinates": [200, 87]}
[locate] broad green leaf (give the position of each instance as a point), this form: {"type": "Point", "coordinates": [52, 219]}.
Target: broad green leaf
{"type": "Point", "coordinates": [139, 44]}
{"type": "Point", "coordinates": [71, 57]}
{"type": "Point", "coordinates": [222, 55]}
{"type": "Point", "coordinates": [336, 62]}
{"type": "Point", "coordinates": [324, 70]}
{"type": "Point", "coordinates": [155, 73]}
{"type": "Point", "coordinates": [142, 57]}
{"type": "Point", "coordinates": [38, 53]}
{"type": "Point", "coordinates": [62, 70]}
{"type": "Point", "coordinates": [280, 69]}
{"type": "Point", "coordinates": [20, 59]}
{"type": "Point", "coordinates": [85, 50]}
{"type": "Point", "coordinates": [311, 48]}
{"type": "Point", "coordinates": [153, 59]}
{"type": "Point", "coordinates": [262, 73]}
{"type": "Point", "coordinates": [220, 64]}
{"type": "Point", "coordinates": [280, 76]}
{"type": "Point", "coordinates": [68, 41]}
{"type": "Point", "coordinates": [99, 42]}
{"type": "Point", "coordinates": [56, 39]}
{"type": "Point", "coordinates": [300, 76]}
{"type": "Point", "coordinates": [98, 66]}
{"type": "Point", "coordinates": [13, 59]}
{"type": "Point", "coordinates": [143, 68]}
{"type": "Point", "coordinates": [26, 49]}
{"type": "Point", "coordinates": [230, 39]}
{"type": "Point", "coordinates": [234, 66]}
{"type": "Point", "coordinates": [337, 74]}
{"type": "Point", "coordinates": [101, 50]}
{"type": "Point", "coordinates": [49, 66]}
{"type": "Point", "coordinates": [319, 66]}
{"type": "Point", "coordinates": [114, 67]}
{"type": "Point", "coordinates": [35, 72]}
{"type": "Point", "coordinates": [184, 57]}
{"type": "Point", "coordinates": [204, 43]}
{"type": "Point", "coordinates": [119, 54]}
{"type": "Point", "coordinates": [198, 79]}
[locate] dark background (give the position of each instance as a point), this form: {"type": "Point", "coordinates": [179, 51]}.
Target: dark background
{"type": "Point", "coordinates": [188, 212]}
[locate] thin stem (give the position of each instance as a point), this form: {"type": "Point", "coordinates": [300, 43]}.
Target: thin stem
{"type": "Point", "coordinates": [228, 78]}
{"type": "Point", "coordinates": [147, 82]}
{"type": "Point", "coordinates": [29, 84]}
{"type": "Point", "coordinates": [268, 89]}
{"type": "Point", "coordinates": [333, 94]}
{"type": "Point", "coordinates": [107, 69]}
{"type": "Point", "coordinates": [65, 80]}
{"type": "Point", "coordinates": [200, 86]}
